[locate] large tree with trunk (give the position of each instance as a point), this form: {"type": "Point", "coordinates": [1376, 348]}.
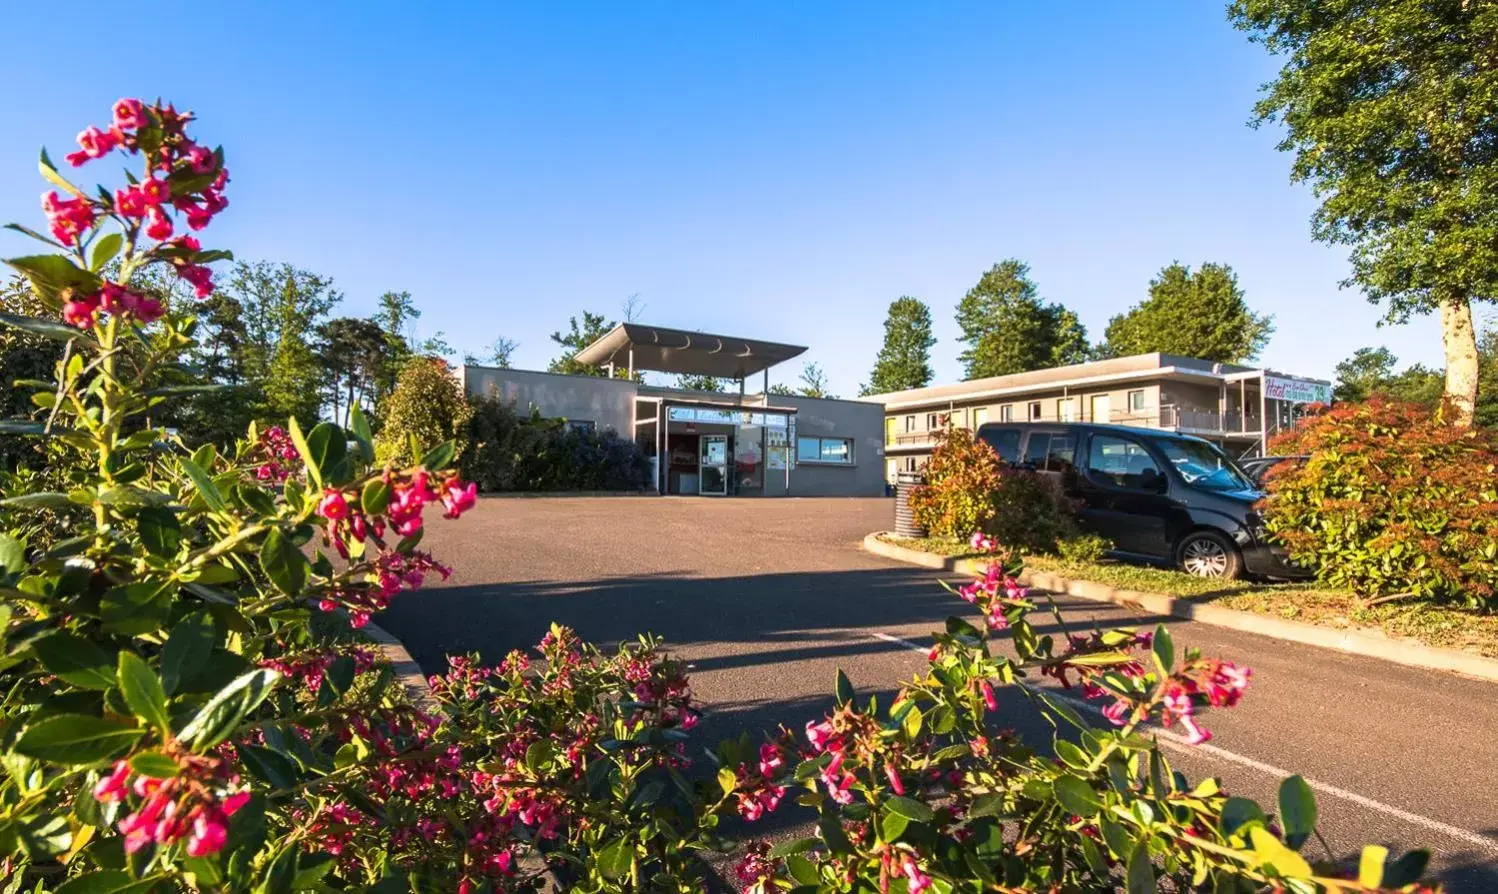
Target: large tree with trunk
{"type": "Point", "coordinates": [904, 360]}
{"type": "Point", "coordinates": [1391, 109]}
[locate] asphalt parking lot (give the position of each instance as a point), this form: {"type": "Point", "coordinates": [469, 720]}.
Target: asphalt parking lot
{"type": "Point", "coordinates": [768, 598]}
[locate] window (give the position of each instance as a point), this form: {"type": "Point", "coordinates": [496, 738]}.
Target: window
{"type": "Point", "coordinates": [933, 421]}
{"type": "Point", "coordinates": [1006, 413]}
{"type": "Point", "coordinates": [1202, 465]}
{"type": "Point", "coordinates": [910, 423]}
{"type": "Point", "coordinates": [1121, 463]}
{"type": "Point", "coordinates": [581, 425]}
{"type": "Point", "coordinates": [1050, 452]}
{"type": "Point", "coordinates": [980, 416]}
{"type": "Point", "coordinates": [1101, 409]}
{"type": "Point", "coordinates": [1136, 401]}
{"type": "Point", "coordinates": [1066, 409]}
{"type": "Point", "coordinates": [837, 451]}
{"type": "Point", "coordinates": [1005, 442]}
{"type": "Point", "coordinates": [1034, 410]}
{"type": "Point", "coordinates": [891, 428]}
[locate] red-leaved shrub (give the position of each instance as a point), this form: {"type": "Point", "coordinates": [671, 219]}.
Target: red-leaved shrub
{"type": "Point", "coordinates": [1393, 499]}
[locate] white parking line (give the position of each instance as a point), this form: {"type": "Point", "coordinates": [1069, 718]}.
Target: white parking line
{"type": "Point", "coordinates": [1179, 743]}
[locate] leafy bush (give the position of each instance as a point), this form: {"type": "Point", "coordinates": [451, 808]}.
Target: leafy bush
{"type": "Point", "coordinates": [427, 408]}
{"type": "Point", "coordinates": [1029, 512]}
{"type": "Point", "coordinates": [1084, 549]}
{"type": "Point", "coordinates": [176, 721]}
{"type": "Point", "coordinates": [961, 475]}
{"type": "Point", "coordinates": [1392, 500]}
{"type": "Point", "coordinates": [511, 452]}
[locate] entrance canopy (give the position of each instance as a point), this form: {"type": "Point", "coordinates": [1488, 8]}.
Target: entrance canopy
{"type": "Point", "coordinates": [636, 346]}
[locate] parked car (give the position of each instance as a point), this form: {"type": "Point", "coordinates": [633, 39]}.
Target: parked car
{"type": "Point", "coordinates": [1257, 467]}
{"type": "Point", "coordinates": [1158, 496]}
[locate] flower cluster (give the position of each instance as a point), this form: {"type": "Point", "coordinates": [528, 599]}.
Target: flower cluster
{"type": "Point", "coordinates": [1206, 681]}
{"type": "Point", "coordinates": [389, 574]}
{"type": "Point", "coordinates": [195, 804]}
{"type": "Point", "coordinates": [309, 667]}
{"type": "Point", "coordinates": [996, 593]}
{"type": "Point", "coordinates": [756, 789]}
{"type": "Point", "coordinates": [408, 496]}
{"type": "Point", "coordinates": [83, 311]}
{"type": "Point", "coordinates": [276, 455]}
{"type": "Point", "coordinates": [983, 543]}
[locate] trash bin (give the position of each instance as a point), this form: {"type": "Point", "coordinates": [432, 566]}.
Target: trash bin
{"type": "Point", "coordinates": [905, 525]}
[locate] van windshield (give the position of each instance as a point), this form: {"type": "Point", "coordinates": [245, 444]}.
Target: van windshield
{"type": "Point", "coordinates": [1202, 465]}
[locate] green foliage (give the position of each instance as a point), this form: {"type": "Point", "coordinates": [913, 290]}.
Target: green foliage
{"type": "Point", "coordinates": [814, 382]}
{"type": "Point", "coordinates": [496, 355]}
{"type": "Point", "coordinates": [580, 335]}
{"type": "Point", "coordinates": [509, 451]}
{"type": "Point", "coordinates": [904, 359]}
{"type": "Point", "coordinates": [1391, 110]}
{"type": "Point", "coordinates": [353, 354]}
{"type": "Point", "coordinates": [427, 408]}
{"type": "Point", "coordinates": [23, 356]}
{"type": "Point", "coordinates": [1392, 501]}
{"type": "Point", "coordinates": [282, 308]}
{"type": "Point", "coordinates": [1370, 371]}
{"type": "Point", "coordinates": [1007, 329]}
{"type": "Point", "coordinates": [700, 383]}
{"type": "Point", "coordinates": [1083, 548]}
{"type": "Point", "coordinates": [1197, 313]}
{"type": "Point", "coordinates": [1029, 513]}
{"type": "Point", "coordinates": [961, 476]}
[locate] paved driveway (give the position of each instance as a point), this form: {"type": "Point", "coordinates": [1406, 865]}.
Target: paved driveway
{"type": "Point", "coordinates": [767, 598]}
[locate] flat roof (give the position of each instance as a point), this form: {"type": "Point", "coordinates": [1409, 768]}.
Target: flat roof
{"type": "Point", "coordinates": [659, 349]}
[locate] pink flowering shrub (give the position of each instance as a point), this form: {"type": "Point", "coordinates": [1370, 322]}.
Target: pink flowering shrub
{"type": "Point", "coordinates": [186, 710]}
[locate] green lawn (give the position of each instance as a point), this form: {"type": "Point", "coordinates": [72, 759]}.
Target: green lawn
{"type": "Point", "coordinates": [1433, 625]}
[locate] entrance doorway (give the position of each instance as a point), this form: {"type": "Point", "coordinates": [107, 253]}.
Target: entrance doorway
{"type": "Point", "coordinates": [712, 465]}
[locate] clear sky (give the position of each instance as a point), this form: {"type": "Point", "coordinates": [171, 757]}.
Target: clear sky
{"type": "Point", "coordinates": [778, 170]}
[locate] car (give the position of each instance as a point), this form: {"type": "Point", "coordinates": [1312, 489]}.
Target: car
{"type": "Point", "coordinates": [1257, 467]}
{"type": "Point", "coordinates": [1158, 496]}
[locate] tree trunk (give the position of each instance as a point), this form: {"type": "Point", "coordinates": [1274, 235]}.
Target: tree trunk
{"type": "Point", "coordinates": [1460, 341]}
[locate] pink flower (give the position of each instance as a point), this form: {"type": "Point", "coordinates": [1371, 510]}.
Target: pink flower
{"type": "Point", "coordinates": [1118, 712]}
{"type": "Point", "coordinates": [201, 159]}
{"type": "Point", "coordinates": [919, 881]}
{"type": "Point", "coordinates": [210, 831]}
{"type": "Point", "coordinates": [155, 191]}
{"type": "Point", "coordinates": [894, 779]}
{"type": "Point", "coordinates": [111, 788]}
{"type": "Point", "coordinates": [80, 312]}
{"type": "Point", "coordinates": [988, 697]}
{"type": "Point", "coordinates": [1195, 734]}
{"type": "Point", "coordinates": [130, 202]}
{"type": "Point", "coordinates": [191, 243]}
{"type": "Point", "coordinates": [819, 735]}
{"type": "Point", "coordinates": [198, 218]}
{"type": "Point", "coordinates": [68, 218]}
{"type": "Point", "coordinates": [983, 543]}
{"type": "Point", "coordinates": [333, 506]}
{"type": "Point", "coordinates": [130, 114]}
{"type": "Point", "coordinates": [160, 227]}
{"type": "Point", "coordinates": [457, 498]}
{"type": "Point", "coordinates": [771, 761]}
{"type": "Point", "coordinates": [201, 278]}
{"type": "Point", "coordinates": [96, 143]}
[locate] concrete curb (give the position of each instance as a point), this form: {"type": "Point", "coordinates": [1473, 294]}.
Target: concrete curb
{"type": "Point", "coordinates": [407, 672]}
{"type": "Point", "coordinates": [1365, 642]}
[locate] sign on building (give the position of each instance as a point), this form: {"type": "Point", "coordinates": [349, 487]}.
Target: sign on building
{"type": "Point", "coordinates": [1297, 391]}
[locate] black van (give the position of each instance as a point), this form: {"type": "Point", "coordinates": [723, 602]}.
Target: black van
{"type": "Point", "coordinates": [1157, 495]}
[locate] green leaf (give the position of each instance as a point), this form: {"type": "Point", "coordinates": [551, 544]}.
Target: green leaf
{"type": "Point", "coordinates": [105, 249]}
{"type": "Point", "coordinates": [105, 881]}
{"type": "Point", "coordinates": [49, 173]}
{"type": "Point", "coordinates": [283, 563]}
{"type": "Point", "coordinates": [26, 427]}
{"type": "Point", "coordinates": [1273, 854]}
{"type": "Point", "coordinates": [794, 846]}
{"type": "Point", "coordinates": [1297, 811]}
{"type": "Point", "coordinates": [327, 445]}
{"type": "Point", "coordinates": [363, 435]}
{"type": "Point", "coordinates": [154, 764]}
{"type": "Point", "coordinates": [1164, 649]}
{"type": "Point", "coordinates": [45, 328]}
{"type": "Point", "coordinates": [615, 859]}
{"type": "Point", "coordinates": [1371, 866]}
{"type": "Point", "coordinates": [142, 691]}
{"type": "Point", "coordinates": [300, 440]}
{"type": "Point", "coordinates": [1100, 659]}
{"type": "Point", "coordinates": [375, 498]}
{"type": "Point", "coordinates": [727, 780]}
{"type": "Point", "coordinates": [310, 871]}
{"type": "Point", "coordinates": [1238, 813]}
{"type": "Point", "coordinates": [1407, 870]}
{"type": "Point", "coordinates": [843, 688]}
{"type": "Point", "coordinates": [892, 825]}
{"type": "Point", "coordinates": [204, 484]}
{"type": "Point", "coordinates": [76, 659]}
{"type": "Point", "coordinates": [12, 555]}
{"type": "Point", "coordinates": [910, 808]}
{"type": "Point", "coordinates": [75, 739]}
{"type": "Point", "coordinates": [53, 273]}
{"type": "Point", "coordinates": [439, 457]}
{"type": "Point", "coordinates": [1076, 796]}
{"type": "Point", "coordinates": [1141, 872]}
{"type": "Point", "coordinates": [35, 235]}
{"type": "Point", "coordinates": [160, 531]}
{"type": "Point", "coordinates": [43, 837]}
{"type": "Point", "coordinates": [37, 501]}
{"type": "Point", "coordinates": [217, 719]}
{"type": "Point", "coordinates": [268, 765]}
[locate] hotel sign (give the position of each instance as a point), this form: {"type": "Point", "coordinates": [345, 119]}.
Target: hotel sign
{"type": "Point", "coordinates": [1297, 391]}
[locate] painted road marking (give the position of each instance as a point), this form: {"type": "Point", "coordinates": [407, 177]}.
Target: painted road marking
{"type": "Point", "coordinates": [1179, 743]}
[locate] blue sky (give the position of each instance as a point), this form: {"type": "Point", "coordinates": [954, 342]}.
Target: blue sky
{"type": "Point", "coordinates": [778, 170]}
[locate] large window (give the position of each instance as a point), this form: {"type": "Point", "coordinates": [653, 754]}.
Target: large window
{"type": "Point", "coordinates": [933, 421]}
{"type": "Point", "coordinates": [1051, 452]}
{"type": "Point", "coordinates": [836, 451]}
{"type": "Point", "coordinates": [1034, 410]}
{"type": "Point", "coordinates": [1005, 442]}
{"type": "Point", "coordinates": [1066, 409]}
{"type": "Point", "coordinates": [1006, 413]}
{"type": "Point", "coordinates": [909, 423]}
{"type": "Point", "coordinates": [1122, 463]}
{"type": "Point", "coordinates": [1202, 465]}
{"type": "Point", "coordinates": [1136, 401]}
{"type": "Point", "coordinates": [980, 416]}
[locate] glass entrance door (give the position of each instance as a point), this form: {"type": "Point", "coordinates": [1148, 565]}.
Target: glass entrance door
{"type": "Point", "coordinates": [712, 465]}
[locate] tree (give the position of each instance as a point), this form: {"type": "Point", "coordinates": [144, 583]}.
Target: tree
{"type": "Point", "coordinates": [1487, 384]}
{"type": "Point", "coordinates": [220, 358]}
{"type": "Point", "coordinates": [23, 356]}
{"type": "Point", "coordinates": [700, 383]}
{"type": "Point", "coordinates": [1391, 109]}
{"type": "Point", "coordinates": [904, 360]}
{"type": "Point", "coordinates": [497, 355]}
{"type": "Point", "coordinates": [632, 307]}
{"type": "Point", "coordinates": [397, 317]}
{"type": "Point", "coordinates": [282, 308]}
{"type": "Point", "coordinates": [1008, 329]}
{"type": "Point", "coordinates": [814, 382]}
{"type": "Point", "coordinates": [1371, 371]}
{"type": "Point", "coordinates": [427, 407]}
{"type": "Point", "coordinates": [579, 336]}
{"type": "Point", "coordinates": [1198, 314]}
{"type": "Point", "coordinates": [353, 353]}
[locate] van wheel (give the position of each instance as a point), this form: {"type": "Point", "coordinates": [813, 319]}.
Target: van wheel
{"type": "Point", "coordinates": [1208, 554]}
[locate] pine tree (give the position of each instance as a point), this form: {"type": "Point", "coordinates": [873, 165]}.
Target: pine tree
{"type": "Point", "coordinates": [1008, 329]}
{"type": "Point", "coordinates": [904, 360]}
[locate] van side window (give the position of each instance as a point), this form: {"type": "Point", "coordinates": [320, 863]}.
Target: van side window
{"type": "Point", "coordinates": [1121, 463]}
{"type": "Point", "coordinates": [1036, 450]}
{"type": "Point", "coordinates": [1005, 442]}
{"type": "Point", "coordinates": [1062, 455]}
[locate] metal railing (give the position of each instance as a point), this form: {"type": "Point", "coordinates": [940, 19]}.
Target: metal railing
{"type": "Point", "coordinates": [1176, 418]}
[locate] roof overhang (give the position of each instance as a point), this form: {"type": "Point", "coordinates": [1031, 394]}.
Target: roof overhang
{"type": "Point", "coordinates": [685, 353]}
{"type": "Point", "coordinates": [1174, 373]}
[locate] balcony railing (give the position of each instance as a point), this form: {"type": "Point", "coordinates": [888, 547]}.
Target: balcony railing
{"type": "Point", "coordinates": [1176, 418]}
